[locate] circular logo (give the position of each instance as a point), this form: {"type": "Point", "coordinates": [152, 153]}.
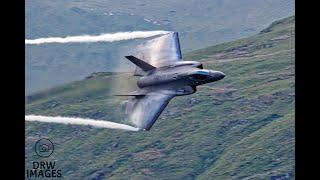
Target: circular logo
{"type": "Point", "coordinates": [44, 147]}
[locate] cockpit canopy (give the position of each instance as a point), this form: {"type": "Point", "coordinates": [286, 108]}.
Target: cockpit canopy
{"type": "Point", "coordinates": [187, 63]}
{"type": "Point", "coordinates": [200, 74]}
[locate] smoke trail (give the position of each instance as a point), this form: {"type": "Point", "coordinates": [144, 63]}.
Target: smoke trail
{"type": "Point", "coordinates": [99, 38]}
{"type": "Point", "coordinates": [80, 121]}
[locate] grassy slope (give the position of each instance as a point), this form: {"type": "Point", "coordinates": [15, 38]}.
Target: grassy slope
{"type": "Point", "coordinates": [200, 23]}
{"type": "Point", "coordinates": [239, 127]}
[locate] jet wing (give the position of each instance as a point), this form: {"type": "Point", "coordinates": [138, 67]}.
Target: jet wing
{"type": "Point", "coordinates": [160, 51]}
{"type": "Point", "coordinates": [143, 111]}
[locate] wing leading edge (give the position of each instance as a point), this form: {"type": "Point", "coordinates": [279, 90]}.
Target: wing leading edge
{"type": "Point", "coordinates": [160, 51]}
{"type": "Point", "coordinates": [143, 111]}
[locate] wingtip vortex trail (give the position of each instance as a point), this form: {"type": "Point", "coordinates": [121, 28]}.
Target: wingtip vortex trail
{"type": "Point", "coordinates": [107, 37]}
{"type": "Point", "coordinates": [79, 121]}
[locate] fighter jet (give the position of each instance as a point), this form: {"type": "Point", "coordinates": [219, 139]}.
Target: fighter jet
{"type": "Point", "coordinates": [163, 75]}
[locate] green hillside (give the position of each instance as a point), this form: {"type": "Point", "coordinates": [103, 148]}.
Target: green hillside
{"type": "Point", "coordinates": [241, 127]}
{"type": "Point", "coordinates": [200, 24]}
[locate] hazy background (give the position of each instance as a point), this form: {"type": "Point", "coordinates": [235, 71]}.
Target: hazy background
{"type": "Point", "coordinates": [200, 23]}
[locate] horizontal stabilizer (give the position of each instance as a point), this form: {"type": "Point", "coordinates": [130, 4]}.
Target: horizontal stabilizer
{"type": "Point", "coordinates": [134, 93]}
{"type": "Point", "coordinates": [140, 63]}
{"type": "Point", "coordinates": [129, 95]}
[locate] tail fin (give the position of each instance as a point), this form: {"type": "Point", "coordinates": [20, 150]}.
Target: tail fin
{"type": "Point", "coordinates": [140, 63]}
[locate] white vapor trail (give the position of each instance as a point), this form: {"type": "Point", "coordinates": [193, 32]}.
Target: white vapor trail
{"type": "Point", "coordinates": [80, 121]}
{"type": "Point", "coordinates": [119, 36]}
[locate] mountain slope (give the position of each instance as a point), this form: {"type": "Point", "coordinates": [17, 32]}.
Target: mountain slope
{"type": "Point", "coordinates": [200, 23]}
{"type": "Point", "coordinates": [239, 127]}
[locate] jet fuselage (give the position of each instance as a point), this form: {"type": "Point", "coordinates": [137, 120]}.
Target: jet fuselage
{"type": "Point", "coordinates": [182, 77]}
{"type": "Point", "coordinates": [164, 75]}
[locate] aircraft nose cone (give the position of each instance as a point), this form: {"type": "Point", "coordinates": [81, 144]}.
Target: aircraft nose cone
{"type": "Point", "coordinates": [220, 75]}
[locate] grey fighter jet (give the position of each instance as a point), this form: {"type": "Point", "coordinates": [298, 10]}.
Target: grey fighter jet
{"type": "Point", "coordinates": [164, 75]}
